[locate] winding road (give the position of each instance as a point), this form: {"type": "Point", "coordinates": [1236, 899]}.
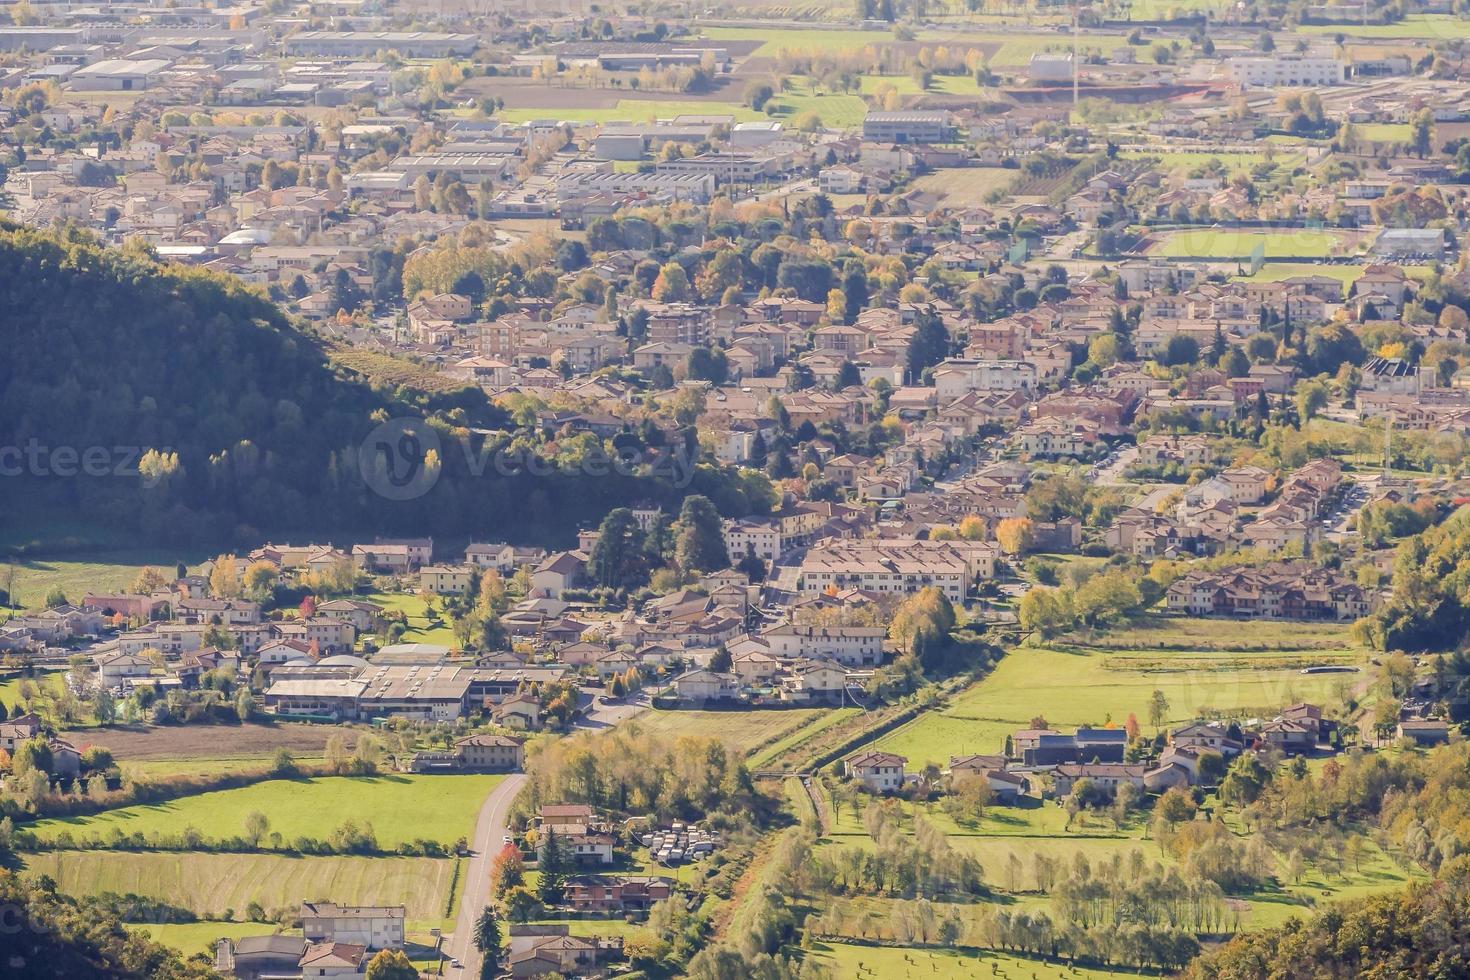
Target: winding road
{"type": "Point", "coordinates": [490, 832]}
{"type": "Point", "coordinates": [493, 826]}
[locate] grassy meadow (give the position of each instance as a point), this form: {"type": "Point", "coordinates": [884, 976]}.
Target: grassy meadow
{"type": "Point", "coordinates": [1202, 666]}
{"type": "Point", "coordinates": [215, 883]}
{"type": "Point", "coordinates": [399, 807]}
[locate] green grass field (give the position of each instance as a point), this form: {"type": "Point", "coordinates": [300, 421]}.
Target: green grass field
{"type": "Point", "coordinates": [399, 807]}
{"type": "Point", "coordinates": [1171, 9]}
{"type": "Point", "coordinates": [634, 110]}
{"type": "Point", "coordinates": [968, 186]}
{"type": "Point", "coordinates": [1383, 132]}
{"type": "Point", "coordinates": [192, 937]}
{"type": "Point", "coordinates": [774, 40]}
{"type": "Point", "coordinates": [421, 629]}
{"type": "Point", "coordinates": [213, 883]}
{"type": "Point", "coordinates": [835, 111]}
{"type": "Point", "coordinates": [1429, 27]}
{"type": "Point", "coordinates": [81, 572]}
{"type": "Point", "coordinates": [892, 962]}
{"type": "Point", "coordinates": [1218, 243]}
{"type": "Point", "coordinates": [743, 729]}
{"type": "Point", "coordinates": [1184, 160]}
{"type": "Point", "coordinates": [1276, 271]}
{"type": "Point", "coordinates": [1186, 659]}
{"type": "Point", "coordinates": [812, 727]}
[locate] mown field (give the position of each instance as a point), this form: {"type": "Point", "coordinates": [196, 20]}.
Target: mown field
{"type": "Point", "coordinates": [966, 187]}
{"type": "Point", "coordinates": [1276, 271]}
{"type": "Point", "coordinates": [1202, 666]}
{"type": "Point", "coordinates": [1220, 243]}
{"type": "Point", "coordinates": [1383, 132]}
{"type": "Point", "coordinates": [399, 807]}
{"type": "Point", "coordinates": [80, 572]}
{"type": "Point", "coordinates": [1428, 27]}
{"type": "Point", "coordinates": [745, 730]}
{"type": "Point", "coordinates": [424, 625]}
{"type": "Point", "coordinates": [192, 937]}
{"type": "Point", "coordinates": [633, 111]}
{"type": "Point", "coordinates": [214, 883]}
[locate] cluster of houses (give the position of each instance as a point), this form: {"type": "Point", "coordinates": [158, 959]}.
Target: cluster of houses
{"type": "Point", "coordinates": [1044, 761]}
{"type": "Point", "coordinates": [1239, 508]}
{"type": "Point", "coordinates": [336, 943]}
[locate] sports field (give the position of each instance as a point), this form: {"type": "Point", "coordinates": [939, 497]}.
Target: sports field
{"type": "Point", "coordinates": [1221, 243]}
{"type": "Point", "coordinates": [399, 807]}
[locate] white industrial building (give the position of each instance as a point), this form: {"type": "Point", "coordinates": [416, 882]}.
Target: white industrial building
{"type": "Point", "coordinates": [1264, 72]}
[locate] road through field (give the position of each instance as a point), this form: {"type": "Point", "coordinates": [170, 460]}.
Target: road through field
{"type": "Point", "coordinates": [490, 833]}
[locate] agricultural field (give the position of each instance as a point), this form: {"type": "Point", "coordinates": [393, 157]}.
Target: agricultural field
{"type": "Point", "coordinates": [893, 962]}
{"type": "Point", "coordinates": [1078, 684]}
{"type": "Point", "coordinates": [1221, 243]}
{"type": "Point", "coordinates": [1428, 27]}
{"type": "Point", "coordinates": [633, 111]}
{"type": "Point", "coordinates": [800, 736]}
{"type": "Point", "coordinates": [214, 883]}
{"type": "Point", "coordinates": [1171, 9]}
{"type": "Point", "coordinates": [80, 572]}
{"type": "Point", "coordinates": [744, 730]}
{"type": "Point", "coordinates": [180, 748]}
{"type": "Point", "coordinates": [774, 40]}
{"type": "Point", "coordinates": [1383, 132]}
{"type": "Point", "coordinates": [968, 186]}
{"type": "Point", "coordinates": [835, 111]}
{"type": "Point", "coordinates": [1189, 161]}
{"type": "Point", "coordinates": [400, 808]}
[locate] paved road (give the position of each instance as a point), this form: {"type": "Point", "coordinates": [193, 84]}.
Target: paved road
{"type": "Point", "coordinates": [1113, 472]}
{"type": "Point", "coordinates": [490, 832]}
{"type": "Point", "coordinates": [599, 715]}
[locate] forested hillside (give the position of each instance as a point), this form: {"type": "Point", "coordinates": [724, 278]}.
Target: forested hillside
{"type": "Point", "coordinates": [240, 425]}
{"type": "Point", "coordinates": [50, 935]}
{"type": "Point", "coordinates": [1422, 932]}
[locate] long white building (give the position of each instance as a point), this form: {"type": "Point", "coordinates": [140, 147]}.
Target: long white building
{"type": "Point", "coordinates": [1275, 72]}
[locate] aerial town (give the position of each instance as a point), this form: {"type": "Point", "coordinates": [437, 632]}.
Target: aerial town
{"type": "Point", "coordinates": [845, 491]}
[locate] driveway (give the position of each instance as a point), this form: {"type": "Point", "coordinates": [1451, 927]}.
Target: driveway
{"type": "Point", "coordinates": [597, 715]}
{"type": "Point", "coordinates": [491, 829]}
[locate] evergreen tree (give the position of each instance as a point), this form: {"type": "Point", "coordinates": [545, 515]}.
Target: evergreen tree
{"type": "Point", "coordinates": [701, 542]}
{"type": "Point", "coordinates": [487, 941]}
{"type": "Point", "coordinates": [617, 557]}
{"type": "Point", "coordinates": [550, 865]}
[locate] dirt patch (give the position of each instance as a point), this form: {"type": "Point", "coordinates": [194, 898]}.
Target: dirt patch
{"type": "Point", "coordinates": [143, 743]}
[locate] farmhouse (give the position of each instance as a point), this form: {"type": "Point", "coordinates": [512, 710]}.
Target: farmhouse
{"type": "Point", "coordinates": [370, 926]}
{"type": "Point", "coordinates": [880, 772]}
